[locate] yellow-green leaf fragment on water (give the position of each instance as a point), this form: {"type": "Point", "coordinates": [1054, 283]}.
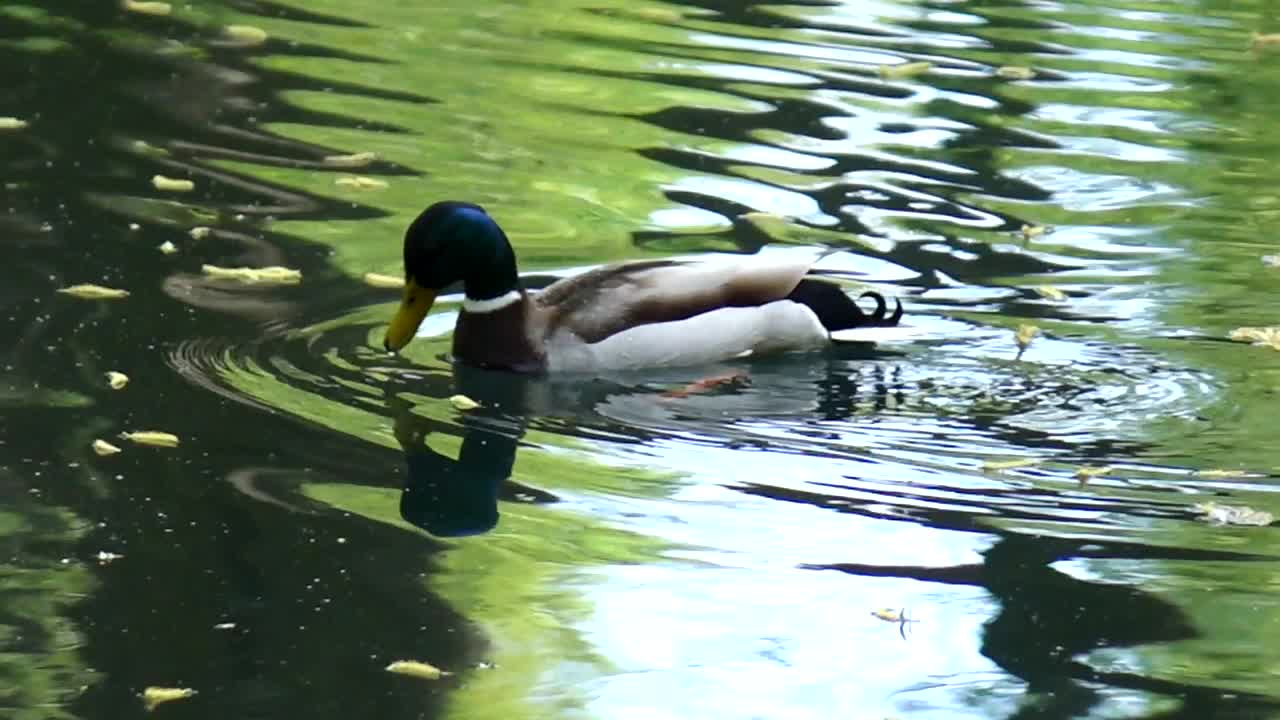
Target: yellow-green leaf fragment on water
{"type": "Point", "coordinates": [1268, 336]}
{"type": "Point", "coordinates": [904, 70]}
{"type": "Point", "coordinates": [153, 696]}
{"type": "Point", "coordinates": [1258, 39]}
{"type": "Point", "coordinates": [1024, 335]}
{"type": "Point", "coordinates": [379, 280]}
{"type": "Point", "coordinates": [12, 123]}
{"type": "Point", "coordinates": [117, 380]}
{"type": "Point", "coordinates": [462, 402]}
{"type": "Point", "coordinates": [1090, 472]}
{"type": "Point", "coordinates": [354, 160]}
{"type": "Point", "coordinates": [271, 274]}
{"type": "Point", "coordinates": [199, 233]}
{"type": "Point", "coordinates": [1233, 514]}
{"type": "Point", "coordinates": [104, 448]}
{"type": "Point", "coordinates": [1009, 464]}
{"type": "Point", "coordinates": [361, 182]}
{"type": "Point", "coordinates": [168, 184]}
{"type": "Point", "coordinates": [415, 668]}
{"type": "Point", "coordinates": [1015, 72]}
{"type": "Point", "coordinates": [247, 34]}
{"type": "Point", "coordinates": [1050, 293]}
{"type": "Point", "coordinates": [1216, 473]}
{"type": "Point", "coordinates": [887, 614]}
{"type": "Point", "coordinates": [153, 438]}
{"type": "Point", "coordinates": [1031, 232]}
{"type": "Point", "coordinates": [143, 147]}
{"type": "Point", "coordinates": [167, 248]}
{"type": "Point", "coordinates": [89, 291]}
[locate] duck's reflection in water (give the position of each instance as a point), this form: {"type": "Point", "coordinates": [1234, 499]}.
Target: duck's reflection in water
{"type": "Point", "coordinates": [457, 498]}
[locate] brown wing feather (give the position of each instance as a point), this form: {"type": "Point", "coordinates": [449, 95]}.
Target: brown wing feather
{"type": "Point", "coordinates": [611, 299]}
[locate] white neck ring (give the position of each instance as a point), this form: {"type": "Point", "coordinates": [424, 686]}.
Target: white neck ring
{"type": "Point", "coordinates": [492, 304]}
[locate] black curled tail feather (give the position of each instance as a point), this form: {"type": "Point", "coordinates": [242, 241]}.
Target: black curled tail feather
{"type": "Point", "coordinates": [837, 311]}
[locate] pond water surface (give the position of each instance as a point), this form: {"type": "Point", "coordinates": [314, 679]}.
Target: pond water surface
{"type": "Point", "coordinates": [620, 547]}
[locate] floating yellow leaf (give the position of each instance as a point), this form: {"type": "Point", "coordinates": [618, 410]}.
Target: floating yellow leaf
{"type": "Point", "coordinates": [379, 280]}
{"type": "Point", "coordinates": [1015, 72]}
{"type": "Point", "coordinates": [1268, 336]}
{"type": "Point", "coordinates": [888, 615]}
{"type": "Point", "coordinates": [117, 380]}
{"type": "Point", "coordinates": [102, 447]}
{"type": "Point", "coordinates": [154, 696]}
{"type": "Point", "coordinates": [1031, 232]}
{"type": "Point", "coordinates": [1233, 515]}
{"type": "Point", "coordinates": [88, 291]}
{"type": "Point", "coordinates": [1220, 473]}
{"type": "Point", "coordinates": [168, 184]}
{"type": "Point", "coordinates": [1257, 39]}
{"type": "Point", "coordinates": [167, 248]}
{"type": "Point", "coordinates": [247, 34]}
{"type": "Point", "coordinates": [152, 437]}
{"type": "Point", "coordinates": [354, 160]}
{"type": "Point", "coordinates": [1087, 473]}
{"type": "Point", "coordinates": [462, 402]}
{"type": "Point", "coordinates": [414, 668]}
{"type": "Point", "coordinates": [1010, 464]}
{"type": "Point", "coordinates": [1049, 292]}
{"type": "Point", "coordinates": [904, 70]}
{"type": "Point", "coordinates": [272, 274]}
{"type": "Point", "coordinates": [12, 123]}
{"type": "Point", "coordinates": [1024, 335]}
{"type": "Point", "coordinates": [199, 233]}
{"type": "Point", "coordinates": [145, 148]}
{"type": "Point", "coordinates": [360, 182]}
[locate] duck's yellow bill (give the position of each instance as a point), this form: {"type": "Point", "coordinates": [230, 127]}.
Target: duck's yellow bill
{"type": "Point", "coordinates": [413, 309]}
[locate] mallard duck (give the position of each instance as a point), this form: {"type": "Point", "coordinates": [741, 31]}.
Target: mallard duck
{"type": "Point", "coordinates": [624, 316]}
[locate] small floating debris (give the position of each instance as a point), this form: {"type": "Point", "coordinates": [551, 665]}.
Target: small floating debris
{"type": "Point", "coordinates": [1268, 336]}
{"type": "Point", "coordinates": [1024, 335]}
{"type": "Point", "coordinates": [1217, 514]}
{"type": "Point", "coordinates": [153, 438]}
{"type": "Point", "coordinates": [168, 184]}
{"type": "Point", "coordinates": [143, 147]}
{"type": "Point", "coordinates": [1089, 472]}
{"type": "Point", "coordinates": [271, 274]}
{"type": "Point", "coordinates": [154, 696]}
{"type": "Point", "coordinates": [168, 248]}
{"type": "Point", "coordinates": [1271, 261]}
{"type": "Point", "coordinates": [134, 227]}
{"type": "Point", "coordinates": [415, 668]}
{"type": "Point", "coordinates": [104, 448]}
{"type": "Point", "coordinates": [1217, 473]}
{"type": "Point", "coordinates": [1050, 293]}
{"type": "Point", "coordinates": [379, 280]}
{"type": "Point", "coordinates": [247, 34]}
{"type": "Point", "coordinates": [997, 465]}
{"type": "Point", "coordinates": [462, 402]}
{"type": "Point", "coordinates": [1261, 40]}
{"type": "Point", "coordinates": [106, 558]}
{"type": "Point", "coordinates": [1031, 232]}
{"type": "Point", "coordinates": [89, 291]}
{"type": "Point", "coordinates": [904, 70]}
{"type": "Point", "coordinates": [225, 626]}
{"type": "Point", "coordinates": [12, 123]}
{"type": "Point", "coordinates": [360, 182]}
{"type": "Point", "coordinates": [199, 233]}
{"type": "Point", "coordinates": [889, 615]}
{"type": "Point", "coordinates": [354, 160]}
{"type": "Point", "coordinates": [1015, 72]}
{"type": "Point", "coordinates": [117, 380]}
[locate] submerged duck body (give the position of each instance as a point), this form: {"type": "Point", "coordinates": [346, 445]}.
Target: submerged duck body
{"type": "Point", "coordinates": [617, 317]}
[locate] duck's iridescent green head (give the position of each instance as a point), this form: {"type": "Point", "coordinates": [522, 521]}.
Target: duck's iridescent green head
{"type": "Point", "coordinates": [450, 242]}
